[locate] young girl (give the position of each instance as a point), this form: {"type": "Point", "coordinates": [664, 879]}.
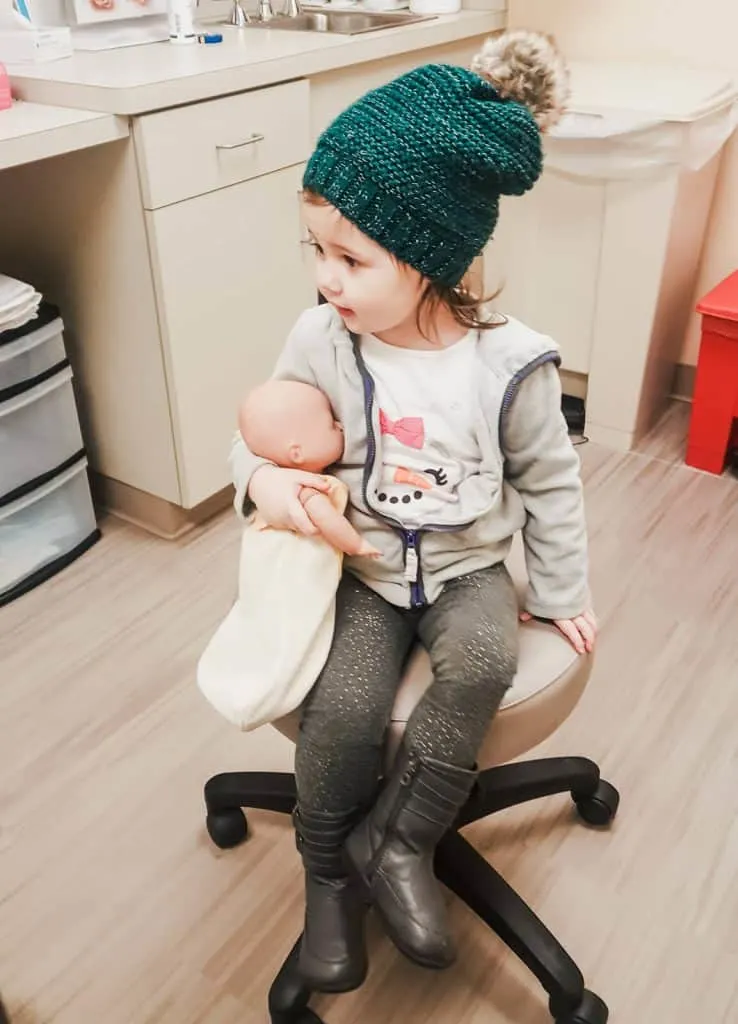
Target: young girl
{"type": "Point", "coordinates": [454, 441]}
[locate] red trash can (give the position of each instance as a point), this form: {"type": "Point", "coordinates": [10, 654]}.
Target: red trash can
{"type": "Point", "coordinates": [715, 403]}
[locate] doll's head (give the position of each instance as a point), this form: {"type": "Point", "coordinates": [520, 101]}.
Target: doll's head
{"type": "Point", "coordinates": [292, 425]}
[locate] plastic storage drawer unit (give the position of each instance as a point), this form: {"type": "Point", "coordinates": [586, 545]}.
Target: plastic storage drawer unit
{"type": "Point", "coordinates": [34, 349]}
{"type": "Point", "coordinates": [39, 433]}
{"type": "Point", "coordinates": [45, 530]}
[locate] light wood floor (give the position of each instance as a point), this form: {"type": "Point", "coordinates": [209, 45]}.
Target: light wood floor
{"type": "Point", "coordinates": [117, 910]}
{"type": "Point", "coordinates": [668, 441]}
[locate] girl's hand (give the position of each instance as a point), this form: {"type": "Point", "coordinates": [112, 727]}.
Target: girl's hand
{"type": "Point", "coordinates": [580, 631]}
{"type": "Point", "coordinates": [276, 494]}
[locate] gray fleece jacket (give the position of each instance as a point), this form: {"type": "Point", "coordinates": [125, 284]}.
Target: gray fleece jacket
{"type": "Point", "coordinates": [528, 479]}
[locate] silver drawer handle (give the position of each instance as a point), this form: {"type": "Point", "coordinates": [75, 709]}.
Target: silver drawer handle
{"type": "Point", "coordinates": [238, 145]}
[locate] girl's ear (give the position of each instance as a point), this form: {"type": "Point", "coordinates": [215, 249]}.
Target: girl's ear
{"type": "Point", "coordinates": [295, 454]}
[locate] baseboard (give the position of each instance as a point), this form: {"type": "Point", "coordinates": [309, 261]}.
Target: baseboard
{"type": "Point", "coordinates": [683, 384]}
{"type": "Point", "coordinates": [156, 515]}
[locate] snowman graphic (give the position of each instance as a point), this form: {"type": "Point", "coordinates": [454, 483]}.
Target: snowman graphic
{"type": "Point", "coordinates": [407, 480]}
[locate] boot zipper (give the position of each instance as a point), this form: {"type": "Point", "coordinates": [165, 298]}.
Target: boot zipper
{"type": "Point", "coordinates": [407, 777]}
{"type": "Point", "coordinates": [409, 774]}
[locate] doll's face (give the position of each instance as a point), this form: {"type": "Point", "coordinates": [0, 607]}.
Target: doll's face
{"type": "Point", "coordinates": [292, 425]}
{"type": "Point", "coordinates": [316, 440]}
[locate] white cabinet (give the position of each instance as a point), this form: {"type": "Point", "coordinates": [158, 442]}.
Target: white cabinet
{"type": "Point", "coordinates": [232, 278]}
{"type": "Point", "coordinates": [538, 239]}
{"type": "Point", "coordinates": [220, 184]}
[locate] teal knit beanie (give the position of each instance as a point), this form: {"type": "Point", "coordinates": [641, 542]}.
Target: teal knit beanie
{"type": "Point", "coordinates": [419, 164]}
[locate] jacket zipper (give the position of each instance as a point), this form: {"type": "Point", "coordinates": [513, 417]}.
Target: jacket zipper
{"type": "Point", "coordinates": [522, 375]}
{"type": "Point", "coordinates": [413, 570]}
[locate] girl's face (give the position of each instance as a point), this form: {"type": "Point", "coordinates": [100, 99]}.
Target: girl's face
{"type": "Point", "coordinates": [370, 291]}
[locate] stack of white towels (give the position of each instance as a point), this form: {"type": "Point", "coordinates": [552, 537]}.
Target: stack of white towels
{"type": "Point", "coordinates": [19, 303]}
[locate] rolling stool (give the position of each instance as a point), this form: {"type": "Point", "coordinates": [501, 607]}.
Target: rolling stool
{"type": "Point", "coordinates": [715, 403]}
{"type": "Point", "coordinates": [550, 680]}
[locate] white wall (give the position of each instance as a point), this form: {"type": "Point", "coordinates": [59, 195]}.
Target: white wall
{"type": "Point", "coordinates": [697, 33]}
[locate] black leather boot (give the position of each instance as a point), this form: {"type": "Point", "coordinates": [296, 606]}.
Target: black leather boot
{"type": "Point", "coordinates": [392, 852]}
{"type": "Point", "coordinates": [333, 950]}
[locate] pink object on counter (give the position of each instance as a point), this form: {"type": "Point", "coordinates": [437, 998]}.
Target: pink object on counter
{"type": "Point", "coordinates": [6, 99]}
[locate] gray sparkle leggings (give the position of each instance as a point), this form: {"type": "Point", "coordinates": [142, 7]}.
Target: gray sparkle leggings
{"type": "Point", "coordinates": [471, 635]}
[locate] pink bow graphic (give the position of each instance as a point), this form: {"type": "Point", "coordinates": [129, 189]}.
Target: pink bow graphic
{"type": "Point", "coordinates": [409, 431]}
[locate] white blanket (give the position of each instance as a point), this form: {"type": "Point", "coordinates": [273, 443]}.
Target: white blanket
{"type": "Point", "coordinates": [267, 654]}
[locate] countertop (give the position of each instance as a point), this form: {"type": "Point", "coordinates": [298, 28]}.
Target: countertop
{"type": "Point", "coordinates": [30, 131]}
{"type": "Point", "coordinates": [140, 79]}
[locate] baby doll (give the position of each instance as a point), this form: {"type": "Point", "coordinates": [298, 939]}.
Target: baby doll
{"type": "Point", "coordinates": [266, 655]}
{"type": "Point", "coordinates": [292, 426]}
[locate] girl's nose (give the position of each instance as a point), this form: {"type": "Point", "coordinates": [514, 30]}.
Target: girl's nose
{"type": "Point", "coordinates": [328, 282]}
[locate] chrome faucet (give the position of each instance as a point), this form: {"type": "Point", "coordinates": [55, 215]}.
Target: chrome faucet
{"type": "Point", "coordinates": [264, 12]}
{"type": "Point", "coordinates": [238, 16]}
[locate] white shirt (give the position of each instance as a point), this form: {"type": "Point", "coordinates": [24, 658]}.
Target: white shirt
{"type": "Point", "coordinates": [428, 442]}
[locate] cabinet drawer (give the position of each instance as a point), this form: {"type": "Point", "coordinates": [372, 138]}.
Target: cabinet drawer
{"type": "Point", "coordinates": [192, 150]}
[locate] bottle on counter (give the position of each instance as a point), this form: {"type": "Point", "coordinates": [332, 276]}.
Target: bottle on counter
{"type": "Point", "coordinates": [181, 21]}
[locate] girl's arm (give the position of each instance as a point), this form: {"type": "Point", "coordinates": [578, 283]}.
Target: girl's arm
{"type": "Point", "coordinates": [543, 467]}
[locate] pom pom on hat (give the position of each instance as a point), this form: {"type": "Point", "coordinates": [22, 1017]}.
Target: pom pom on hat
{"type": "Point", "coordinates": [526, 67]}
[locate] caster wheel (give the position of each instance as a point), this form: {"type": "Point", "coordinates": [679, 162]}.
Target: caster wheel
{"type": "Point", "coordinates": [601, 807]}
{"type": "Point", "coordinates": [591, 1010]}
{"type": "Point", "coordinates": [227, 828]}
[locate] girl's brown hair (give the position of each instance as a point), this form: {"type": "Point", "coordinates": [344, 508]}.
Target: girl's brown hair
{"type": "Point", "coordinates": [465, 307]}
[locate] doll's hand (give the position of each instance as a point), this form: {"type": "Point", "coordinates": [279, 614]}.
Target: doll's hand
{"type": "Point", "coordinates": [276, 494]}
{"type": "Point", "coordinates": [369, 551]}
{"type": "Point", "coordinates": [333, 526]}
{"type": "Point", "coordinates": [581, 631]}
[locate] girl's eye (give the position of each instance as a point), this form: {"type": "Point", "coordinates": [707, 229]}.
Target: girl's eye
{"type": "Point", "coordinates": [318, 248]}
{"type": "Point", "coordinates": [350, 262]}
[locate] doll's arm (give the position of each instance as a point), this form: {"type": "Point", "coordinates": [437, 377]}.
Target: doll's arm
{"type": "Point", "coordinates": [334, 526]}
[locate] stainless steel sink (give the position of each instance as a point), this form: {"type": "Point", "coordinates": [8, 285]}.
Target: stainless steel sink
{"type": "Point", "coordinates": [348, 23]}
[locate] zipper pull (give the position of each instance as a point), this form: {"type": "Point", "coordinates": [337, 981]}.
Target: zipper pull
{"type": "Point", "coordinates": [412, 562]}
